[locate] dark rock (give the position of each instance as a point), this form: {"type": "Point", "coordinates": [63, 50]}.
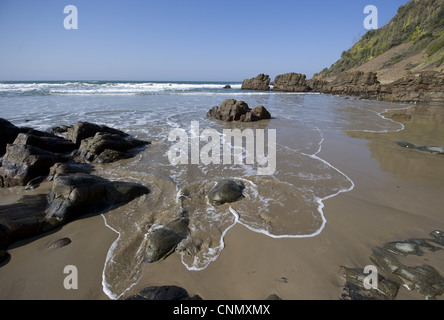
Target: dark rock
{"type": "Point", "coordinates": [405, 144]}
{"type": "Point", "coordinates": [163, 293]}
{"type": "Point", "coordinates": [291, 82]}
{"type": "Point", "coordinates": [35, 183]}
{"type": "Point", "coordinates": [64, 168]}
{"type": "Point", "coordinates": [4, 256]}
{"type": "Point", "coordinates": [60, 129]}
{"type": "Point", "coordinates": [432, 149]}
{"type": "Point", "coordinates": [107, 147]}
{"type": "Point", "coordinates": [234, 110]}
{"type": "Point", "coordinates": [354, 288]}
{"type": "Point", "coordinates": [22, 163]}
{"type": "Point", "coordinates": [163, 240]}
{"type": "Point", "coordinates": [83, 130]}
{"type": "Point", "coordinates": [227, 86]}
{"type": "Point", "coordinates": [59, 243]}
{"type": "Point", "coordinates": [8, 133]}
{"type": "Point", "coordinates": [261, 82]}
{"type": "Point", "coordinates": [52, 144]}
{"type": "Point", "coordinates": [404, 248]}
{"type": "Point", "coordinates": [22, 219]}
{"type": "Point", "coordinates": [423, 279]}
{"type": "Point", "coordinates": [73, 195]}
{"type": "Point", "coordinates": [438, 237]}
{"type": "Point", "coordinates": [260, 113]}
{"type": "Point", "coordinates": [225, 191]}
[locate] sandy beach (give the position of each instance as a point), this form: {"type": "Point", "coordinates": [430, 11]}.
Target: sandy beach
{"type": "Point", "coordinates": [397, 196]}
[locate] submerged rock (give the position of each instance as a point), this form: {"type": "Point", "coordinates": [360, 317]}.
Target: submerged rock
{"type": "Point", "coordinates": [390, 260]}
{"type": "Point", "coordinates": [423, 279]}
{"type": "Point", "coordinates": [405, 144]}
{"type": "Point", "coordinates": [163, 240]}
{"type": "Point", "coordinates": [163, 293]}
{"type": "Point", "coordinates": [354, 288]}
{"type": "Point", "coordinates": [225, 191]}
{"type": "Point", "coordinates": [73, 195]}
{"type": "Point", "coordinates": [432, 149]}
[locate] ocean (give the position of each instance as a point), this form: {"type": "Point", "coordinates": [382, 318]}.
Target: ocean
{"type": "Point", "coordinates": [286, 204]}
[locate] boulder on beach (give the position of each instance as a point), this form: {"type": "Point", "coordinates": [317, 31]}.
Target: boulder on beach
{"type": "Point", "coordinates": [164, 293]}
{"type": "Point", "coordinates": [162, 240]}
{"type": "Point", "coordinates": [49, 143]}
{"type": "Point", "coordinates": [8, 133]}
{"type": "Point", "coordinates": [234, 110]}
{"type": "Point", "coordinates": [108, 147]}
{"type": "Point", "coordinates": [225, 191]}
{"type": "Point", "coordinates": [261, 82]}
{"type": "Point", "coordinates": [291, 82]}
{"type": "Point", "coordinates": [23, 163]}
{"type": "Point", "coordinates": [73, 195]}
{"type": "Point", "coordinates": [84, 130]}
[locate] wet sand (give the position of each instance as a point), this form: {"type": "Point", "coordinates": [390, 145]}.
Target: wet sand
{"type": "Point", "coordinates": [397, 195]}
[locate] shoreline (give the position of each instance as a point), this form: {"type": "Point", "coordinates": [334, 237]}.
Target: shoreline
{"type": "Point", "coordinates": [387, 203]}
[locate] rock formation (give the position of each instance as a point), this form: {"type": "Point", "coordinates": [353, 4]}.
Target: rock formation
{"type": "Point", "coordinates": [291, 82]}
{"type": "Point", "coordinates": [261, 82]}
{"type": "Point", "coordinates": [233, 110]}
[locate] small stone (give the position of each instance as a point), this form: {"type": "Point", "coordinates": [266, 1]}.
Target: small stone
{"type": "Point", "coordinates": [59, 243]}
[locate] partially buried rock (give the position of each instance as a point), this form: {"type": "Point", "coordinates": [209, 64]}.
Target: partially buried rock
{"type": "Point", "coordinates": [163, 240]}
{"type": "Point", "coordinates": [355, 289]}
{"type": "Point", "coordinates": [23, 219]}
{"type": "Point", "coordinates": [59, 243]}
{"type": "Point", "coordinates": [234, 110]}
{"type": "Point", "coordinates": [163, 293]}
{"type": "Point", "coordinates": [73, 195]}
{"type": "Point", "coordinates": [225, 191]}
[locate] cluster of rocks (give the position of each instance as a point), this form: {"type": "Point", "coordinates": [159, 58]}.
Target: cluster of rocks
{"type": "Point", "coordinates": [431, 149]}
{"type": "Point", "coordinates": [31, 157]}
{"type": "Point", "coordinates": [390, 260]}
{"type": "Point", "coordinates": [425, 86]}
{"type": "Point", "coordinates": [234, 110]}
{"type": "Point", "coordinates": [162, 240]}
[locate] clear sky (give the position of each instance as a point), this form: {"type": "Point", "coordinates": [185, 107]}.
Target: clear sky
{"type": "Point", "coordinates": [207, 40]}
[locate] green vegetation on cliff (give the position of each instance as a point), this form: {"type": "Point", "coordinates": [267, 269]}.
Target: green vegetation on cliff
{"type": "Point", "coordinates": [419, 23]}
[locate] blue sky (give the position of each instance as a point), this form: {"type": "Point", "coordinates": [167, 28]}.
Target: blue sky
{"type": "Point", "coordinates": [178, 40]}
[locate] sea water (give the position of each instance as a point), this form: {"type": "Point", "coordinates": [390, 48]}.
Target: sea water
{"type": "Point", "coordinates": [287, 204]}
